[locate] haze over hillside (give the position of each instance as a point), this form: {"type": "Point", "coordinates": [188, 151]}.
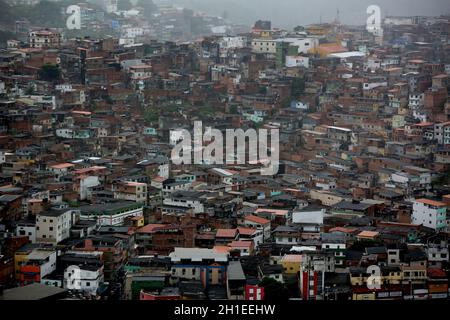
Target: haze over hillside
{"type": "Point", "coordinates": [289, 13]}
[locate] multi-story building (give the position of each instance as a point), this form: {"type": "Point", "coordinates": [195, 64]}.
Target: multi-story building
{"type": "Point", "coordinates": [113, 257]}
{"type": "Point", "coordinates": [430, 213]}
{"type": "Point", "coordinates": [313, 271]}
{"type": "Point", "coordinates": [54, 226]}
{"type": "Point", "coordinates": [442, 132]}
{"type": "Point", "coordinates": [156, 167]}
{"type": "Point", "coordinates": [83, 184]}
{"type": "Point", "coordinates": [416, 100]}
{"type": "Point", "coordinates": [140, 72]}
{"type": "Point", "coordinates": [264, 46]}
{"type": "Point", "coordinates": [26, 228]}
{"type": "Point", "coordinates": [338, 133]}
{"type": "Point", "coordinates": [335, 243]}
{"type": "Point", "coordinates": [291, 263]}
{"type": "Point", "coordinates": [84, 278]}
{"type": "Point", "coordinates": [110, 5]}
{"type": "Point", "coordinates": [32, 264]}
{"type": "Point", "coordinates": [131, 191]}
{"type": "Point", "coordinates": [113, 213]}
{"type": "Point", "coordinates": [437, 251]}
{"type": "Point", "coordinates": [236, 281]}
{"type": "Point", "coordinates": [414, 275]}
{"type": "Point", "coordinates": [258, 223]}
{"type": "Point", "coordinates": [191, 200]}
{"type": "Point", "coordinates": [205, 265]}
{"type": "Point", "coordinates": [45, 39]}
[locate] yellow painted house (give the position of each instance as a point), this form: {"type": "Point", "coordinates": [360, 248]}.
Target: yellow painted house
{"type": "Point", "coordinates": [319, 29]}
{"type": "Point", "coordinates": [326, 49]}
{"type": "Point", "coordinates": [389, 275]}
{"type": "Point", "coordinates": [291, 263]}
{"type": "Point", "coordinates": [358, 296]}
{"type": "Point", "coordinates": [20, 257]}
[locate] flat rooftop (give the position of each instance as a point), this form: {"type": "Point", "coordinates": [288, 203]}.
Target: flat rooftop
{"type": "Point", "coordinates": [34, 291]}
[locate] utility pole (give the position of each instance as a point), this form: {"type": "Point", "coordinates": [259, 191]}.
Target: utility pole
{"type": "Point", "coordinates": [411, 290]}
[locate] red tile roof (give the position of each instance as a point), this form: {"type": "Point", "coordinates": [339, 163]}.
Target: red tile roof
{"type": "Point", "coordinates": [89, 170]}
{"type": "Point", "coordinates": [256, 219]}
{"type": "Point", "coordinates": [436, 273]}
{"type": "Point", "coordinates": [273, 211]}
{"type": "Point", "coordinates": [432, 202]}
{"type": "Point", "coordinates": [226, 233]}
{"type": "Point", "coordinates": [62, 166]}
{"type": "Point", "coordinates": [159, 179]}
{"type": "Point", "coordinates": [241, 244]}
{"type": "Point", "coordinates": [343, 230]}
{"type": "Point", "coordinates": [368, 234]}
{"type": "Point", "coordinates": [332, 48]}
{"type": "Point", "coordinates": [150, 228]}
{"type": "Point", "coordinates": [221, 249]}
{"type": "Point", "coordinates": [246, 231]}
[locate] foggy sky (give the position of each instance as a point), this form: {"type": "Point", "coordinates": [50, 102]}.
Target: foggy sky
{"type": "Point", "coordinates": [290, 13]}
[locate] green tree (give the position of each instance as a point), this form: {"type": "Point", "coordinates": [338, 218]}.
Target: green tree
{"type": "Point", "coordinates": [207, 110]}
{"type": "Point", "coordinates": [258, 125]}
{"type": "Point", "coordinates": [46, 13]}
{"type": "Point", "coordinates": [151, 116]}
{"type": "Point", "coordinates": [108, 99]}
{"type": "Point", "coordinates": [6, 13]}
{"type": "Point", "coordinates": [5, 36]}
{"type": "Point", "coordinates": [225, 15]}
{"type": "Point", "coordinates": [124, 5]}
{"type": "Point", "coordinates": [49, 72]}
{"type": "Point", "coordinates": [361, 245]}
{"type": "Point", "coordinates": [148, 6]}
{"type": "Point", "coordinates": [298, 87]}
{"type": "Point", "coordinates": [442, 180]}
{"type": "Point", "coordinates": [29, 90]}
{"type": "Point", "coordinates": [172, 108]}
{"type": "Point", "coordinates": [286, 102]}
{"type": "Point", "coordinates": [274, 290]}
{"type": "Point", "coordinates": [233, 109]}
{"type": "Point", "coordinates": [262, 90]}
